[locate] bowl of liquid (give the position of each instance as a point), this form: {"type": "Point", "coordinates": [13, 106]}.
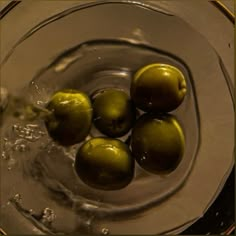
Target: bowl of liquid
{"type": "Point", "coordinates": [92, 46]}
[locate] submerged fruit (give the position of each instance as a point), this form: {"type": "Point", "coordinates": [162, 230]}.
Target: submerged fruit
{"type": "Point", "coordinates": [71, 116]}
{"type": "Point", "coordinates": [158, 143]}
{"type": "Point", "coordinates": [158, 88]}
{"type": "Point", "coordinates": [105, 163]}
{"type": "Point", "coordinates": [114, 112]}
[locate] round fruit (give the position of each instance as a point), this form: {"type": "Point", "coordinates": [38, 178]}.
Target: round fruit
{"type": "Point", "coordinates": [71, 117]}
{"type": "Point", "coordinates": [105, 163]}
{"type": "Point", "coordinates": [114, 112]}
{"type": "Point", "coordinates": [158, 88]}
{"type": "Point", "coordinates": [158, 143]}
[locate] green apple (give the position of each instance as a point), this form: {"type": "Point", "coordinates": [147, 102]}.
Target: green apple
{"type": "Point", "coordinates": [157, 143]}
{"type": "Point", "coordinates": [114, 112]}
{"type": "Point", "coordinates": [158, 88]}
{"type": "Point", "coordinates": [105, 163]}
{"type": "Point", "coordinates": [71, 117]}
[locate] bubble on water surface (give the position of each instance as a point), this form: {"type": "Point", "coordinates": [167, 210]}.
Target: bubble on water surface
{"type": "Point", "coordinates": [29, 132]}
{"type": "Point", "coordinates": [17, 198]}
{"type": "Point", "coordinates": [4, 155]}
{"type": "Point", "coordinates": [105, 231]}
{"type": "Point", "coordinates": [48, 216]}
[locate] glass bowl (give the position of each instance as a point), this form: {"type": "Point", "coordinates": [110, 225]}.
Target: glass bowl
{"type": "Point", "coordinates": [91, 46]}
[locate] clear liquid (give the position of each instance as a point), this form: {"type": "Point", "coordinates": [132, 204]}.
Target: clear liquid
{"type": "Point", "coordinates": [109, 52]}
{"type": "Point", "coordinates": [48, 168]}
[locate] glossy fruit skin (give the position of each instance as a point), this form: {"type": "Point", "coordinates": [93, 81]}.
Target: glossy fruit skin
{"type": "Point", "coordinates": [105, 164]}
{"type": "Point", "coordinates": [158, 143]}
{"type": "Point", "coordinates": [158, 88]}
{"type": "Point", "coordinates": [71, 117]}
{"type": "Point", "coordinates": [114, 112]}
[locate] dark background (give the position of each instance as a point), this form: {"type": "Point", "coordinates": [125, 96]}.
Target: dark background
{"type": "Point", "coordinates": [220, 217]}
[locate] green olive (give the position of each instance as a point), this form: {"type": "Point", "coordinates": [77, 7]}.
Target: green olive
{"type": "Point", "coordinates": [158, 88]}
{"type": "Point", "coordinates": [105, 163]}
{"type": "Point", "coordinates": [114, 112]}
{"type": "Point", "coordinates": [157, 143]}
{"type": "Point", "coordinates": [71, 117]}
